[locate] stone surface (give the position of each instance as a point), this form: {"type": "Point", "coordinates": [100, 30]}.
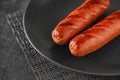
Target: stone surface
{"type": "Point", "coordinates": [13, 64]}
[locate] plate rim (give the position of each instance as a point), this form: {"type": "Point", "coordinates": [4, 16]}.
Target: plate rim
{"type": "Point", "coordinates": [54, 62]}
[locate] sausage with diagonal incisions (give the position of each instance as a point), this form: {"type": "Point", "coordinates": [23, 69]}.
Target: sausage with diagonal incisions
{"type": "Point", "coordinates": [78, 20]}
{"type": "Point", "coordinates": [96, 36]}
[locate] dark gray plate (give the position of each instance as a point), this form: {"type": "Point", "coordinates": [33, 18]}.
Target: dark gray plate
{"type": "Point", "coordinates": [40, 19]}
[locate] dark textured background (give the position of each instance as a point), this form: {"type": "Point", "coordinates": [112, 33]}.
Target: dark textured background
{"type": "Point", "coordinates": [13, 64]}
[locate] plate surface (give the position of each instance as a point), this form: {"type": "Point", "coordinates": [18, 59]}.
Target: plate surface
{"type": "Point", "coordinates": [40, 19]}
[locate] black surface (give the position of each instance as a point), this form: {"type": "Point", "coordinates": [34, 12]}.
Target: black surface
{"type": "Point", "coordinates": [42, 16]}
{"type": "Point", "coordinates": [13, 64]}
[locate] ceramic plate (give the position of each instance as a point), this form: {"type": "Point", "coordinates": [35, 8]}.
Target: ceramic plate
{"type": "Point", "coordinates": [42, 16]}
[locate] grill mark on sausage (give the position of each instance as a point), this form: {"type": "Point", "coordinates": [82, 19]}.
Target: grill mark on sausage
{"type": "Point", "coordinates": [67, 23]}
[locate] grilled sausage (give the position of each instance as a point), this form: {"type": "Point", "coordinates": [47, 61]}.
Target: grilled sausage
{"type": "Point", "coordinates": [78, 20]}
{"type": "Point", "coordinates": [96, 36]}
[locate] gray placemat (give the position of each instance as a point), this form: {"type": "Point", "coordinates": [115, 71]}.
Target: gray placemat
{"type": "Point", "coordinates": [42, 68]}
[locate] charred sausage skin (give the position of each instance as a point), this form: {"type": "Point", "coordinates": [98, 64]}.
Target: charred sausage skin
{"type": "Point", "coordinates": [96, 36]}
{"type": "Point", "coordinates": [78, 20]}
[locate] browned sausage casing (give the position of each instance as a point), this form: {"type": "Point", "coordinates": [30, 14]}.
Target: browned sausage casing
{"type": "Point", "coordinates": [78, 20]}
{"type": "Point", "coordinates": [96, 36]}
